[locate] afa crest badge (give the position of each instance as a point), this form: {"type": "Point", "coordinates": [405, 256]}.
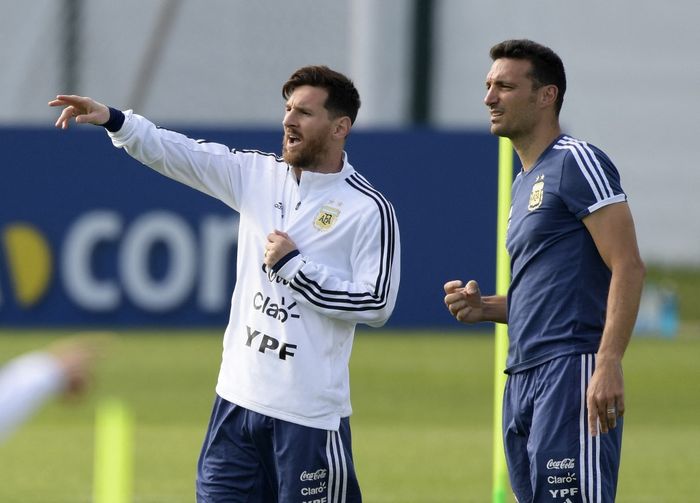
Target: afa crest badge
{"type": "Point", "coordinates": [326, 218]}
{"type": "Point", "coordinates": [537, 194]}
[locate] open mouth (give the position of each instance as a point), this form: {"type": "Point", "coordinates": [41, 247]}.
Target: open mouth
{"type": "Point", "coordinates": [293, 140]}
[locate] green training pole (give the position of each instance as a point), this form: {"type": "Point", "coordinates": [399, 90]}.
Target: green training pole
{"type": "Point", "coordinates": [505, 180]}
{"type": "Point", "coordinates": [113, 470]}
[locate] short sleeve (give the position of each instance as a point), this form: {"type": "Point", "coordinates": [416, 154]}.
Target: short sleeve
{"type": "Point", "coordinates": [589, 180]}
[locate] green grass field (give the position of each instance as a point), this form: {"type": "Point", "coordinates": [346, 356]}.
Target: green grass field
{"type": "Point", "coordinates": [421, 424]}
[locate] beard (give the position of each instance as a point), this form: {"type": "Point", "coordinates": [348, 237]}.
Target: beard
{"type": "Point", "coordinates": [309, 155]}
{"type": "Point", "coordinates": [518, 122]}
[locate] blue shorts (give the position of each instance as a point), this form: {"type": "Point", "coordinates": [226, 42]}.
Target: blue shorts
{"type": "Point", "coordinates": [550, 453]}
{"type": "Point", "coordinates": [252, 458]}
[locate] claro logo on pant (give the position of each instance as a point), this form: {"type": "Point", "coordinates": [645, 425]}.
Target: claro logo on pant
{"type": "Point", "coordinates": [155, 261]}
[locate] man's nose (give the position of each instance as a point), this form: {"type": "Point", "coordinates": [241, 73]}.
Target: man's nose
{"type": "Point", "coordinates": [490, 97]}
{"type": "Point", "coordinates": [289, 119]}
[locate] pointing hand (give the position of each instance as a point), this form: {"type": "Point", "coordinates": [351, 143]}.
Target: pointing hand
{"type": "Point", "coordinates": [83, 110]}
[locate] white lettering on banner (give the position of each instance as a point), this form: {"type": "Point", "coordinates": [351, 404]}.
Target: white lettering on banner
{"type": "Point", "coordinates": [135, 243]}
{"type": "Point", "coordinates": [79, 245]}
{"type": "Point", "coordinates": [147, 231]}
{"type": "Point", "coordinates": [218, 236]}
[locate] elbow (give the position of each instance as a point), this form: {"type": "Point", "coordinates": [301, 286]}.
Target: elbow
{"type": "Point", "coordinates": [631, 266]}
{"type": "Point", "coordinates": [377, 323]}
{"type": "Point", "coordinates": [382, 311]}
{"type": "Point", "coordinates": [379, 317]}
{"type": "Point", "coordinates": [630, 273]}
{"type": "Point", "coordinates": [379, 320]}
{"type": "Point", "coordinates": [640, 268]}
{"type": "Point", "coordinates": [635, 271]}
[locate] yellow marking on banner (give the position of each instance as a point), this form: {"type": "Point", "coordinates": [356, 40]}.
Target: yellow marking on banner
{"type": "Point", "coordinates": [30, 265]}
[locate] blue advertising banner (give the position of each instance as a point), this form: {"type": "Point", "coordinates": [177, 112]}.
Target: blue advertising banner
{"type": "Point", "coordinates": [90, 237]}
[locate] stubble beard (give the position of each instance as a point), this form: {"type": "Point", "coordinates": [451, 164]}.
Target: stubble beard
{"type": "Point", "coordinates": [307, 157]}
{"type": "Point", "coordinates": [514, 127]}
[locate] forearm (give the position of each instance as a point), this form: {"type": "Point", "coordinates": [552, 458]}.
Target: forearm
{"type": "Point", "coordinates": [25, 384]}
{"type": "Point", "coordinates": [205, 166]}
{"type": "Point", "coordinates": [356, 301]}
{"type": "Point", "coordinates": [495, 308]}
{"type": "Point", "coordinates": [623, 304]}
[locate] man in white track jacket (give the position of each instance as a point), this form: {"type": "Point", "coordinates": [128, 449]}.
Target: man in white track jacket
{"type": "Point", "coordinates": [318, 252]}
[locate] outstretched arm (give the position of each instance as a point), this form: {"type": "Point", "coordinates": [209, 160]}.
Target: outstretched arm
{"type": "Point", "coordinates": [206, 166]}
{"type": "Point", "coordinates": [29, 380]}
{"type": "Point", "coordinates": [80, 108]}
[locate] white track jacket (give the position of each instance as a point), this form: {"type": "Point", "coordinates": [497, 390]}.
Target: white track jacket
{"type": "Point", "coordinates": [290, 333]}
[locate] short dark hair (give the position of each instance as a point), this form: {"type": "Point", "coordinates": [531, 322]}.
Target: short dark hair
{"type": "Point", "coordinates": [547, 67]}
{"type": "Point", "coordinates": [343, 98]}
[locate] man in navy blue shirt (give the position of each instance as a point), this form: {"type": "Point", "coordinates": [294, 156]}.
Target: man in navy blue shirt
{"type": "Point", "coordinates": [574, 295]}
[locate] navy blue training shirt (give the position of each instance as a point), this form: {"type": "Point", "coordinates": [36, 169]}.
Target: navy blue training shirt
{"type": "Point", "coordinates": [559, 282]}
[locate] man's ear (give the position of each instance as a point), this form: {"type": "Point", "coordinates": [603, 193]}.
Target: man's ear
{"type": "Point", "coordinates": [548, 95]}
{"type": "Point", "coordinates": [341, 127]}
